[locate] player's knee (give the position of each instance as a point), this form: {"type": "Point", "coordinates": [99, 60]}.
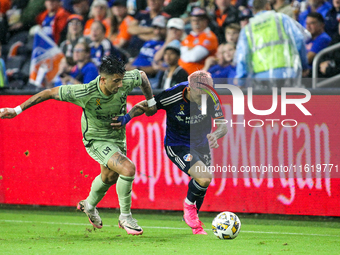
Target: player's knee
{"type": "Point", "coordinates": [129, 169]}
{"type": "Point", "coordinates": [204, 182]}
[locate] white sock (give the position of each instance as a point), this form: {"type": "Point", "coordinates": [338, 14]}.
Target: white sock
{"type": "Point", "coordinates": [125, 215]}
{"type": "Point", "coordinates": [188, 201]}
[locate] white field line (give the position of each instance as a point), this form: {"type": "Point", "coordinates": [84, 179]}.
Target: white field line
{"type": "Point", "coordinates": [156, 227]}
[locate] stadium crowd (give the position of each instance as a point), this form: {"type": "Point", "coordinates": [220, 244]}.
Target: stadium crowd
{"type": "Point", "coordinates": [167, 39]}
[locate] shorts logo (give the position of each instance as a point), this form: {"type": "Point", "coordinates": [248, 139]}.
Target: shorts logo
{"type": "Point", "coordinates": [187, 157]}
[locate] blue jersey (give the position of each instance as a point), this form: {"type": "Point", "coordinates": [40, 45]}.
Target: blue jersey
{"type": "Point", "coordinates": [185, 125]}
{"type": "Point", "coordinates": [105, 48]}
{"type": "Point", "coordinates": [88, 73]}
{"type": "Point", "coordinates": [147, 53]}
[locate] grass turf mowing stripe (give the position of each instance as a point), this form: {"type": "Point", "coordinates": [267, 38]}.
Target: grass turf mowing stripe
{"type": "Point", "coordinates": [156, 227]}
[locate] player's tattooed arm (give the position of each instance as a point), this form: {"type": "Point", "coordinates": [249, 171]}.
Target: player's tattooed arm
{"type": "Point", "coordinates": [9, 113]}
{"type": "Point", "coordinates": [41, 97]}
{"type": "Point", "coordinates": [147, 91]}
{"type": "Point", "coordinates": [138, 109]}
{"type": "Point", "coordinates": [146, 87]}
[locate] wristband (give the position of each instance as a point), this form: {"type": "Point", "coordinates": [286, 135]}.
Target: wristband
{"type": "Point", "coordinates": [151, 102]}
{"type": "Point", "coordinates": [124, 119]}
{"type": "Point", "coordinates": [18, 110]}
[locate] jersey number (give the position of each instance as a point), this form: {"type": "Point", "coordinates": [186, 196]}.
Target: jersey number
{"type": "Point", "coordinates": [106, 151]}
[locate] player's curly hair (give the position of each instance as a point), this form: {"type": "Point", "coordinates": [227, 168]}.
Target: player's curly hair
{"type": "Point", "coordinates": [112, 65]}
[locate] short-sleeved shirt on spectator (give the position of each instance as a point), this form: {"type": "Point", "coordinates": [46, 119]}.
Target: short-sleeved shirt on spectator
{"type": "Point", "coordinates": [318, 44]}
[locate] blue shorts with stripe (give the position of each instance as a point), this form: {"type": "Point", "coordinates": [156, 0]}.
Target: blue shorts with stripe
{"type": "Point", "coordinates": [184, 157]}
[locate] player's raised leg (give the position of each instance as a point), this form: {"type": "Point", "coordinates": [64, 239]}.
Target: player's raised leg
{"type": "Point", "coordinates": [126, 170]}
{"type": "Point", "coordinates": [100, 186]}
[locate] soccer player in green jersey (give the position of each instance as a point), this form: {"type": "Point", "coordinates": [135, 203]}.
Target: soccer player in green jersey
{"type": "Point", "coordinates": [102, 99]}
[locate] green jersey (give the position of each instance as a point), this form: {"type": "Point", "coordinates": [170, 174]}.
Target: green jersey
{"type": "Point", "coordinates": [99, 109]}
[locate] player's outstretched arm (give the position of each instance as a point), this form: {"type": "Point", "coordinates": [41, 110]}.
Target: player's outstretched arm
{"type": "Point", "coordinates": [147, 91]}
{"type": "Point", "coordinates": [9, 113]}
{"type": "Point", "coordinates": [218, 133]}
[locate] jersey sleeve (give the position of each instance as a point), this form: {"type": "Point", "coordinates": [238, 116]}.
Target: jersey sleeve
{"type": "Point", "coordinates": [74, 94]}
{"type": "Point", "coordinates": [132, 79]}
{"type": "Point", "coordinates": [158, 99]}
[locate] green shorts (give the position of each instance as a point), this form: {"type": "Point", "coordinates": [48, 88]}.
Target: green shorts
{"type": "Point", "coordinates": [102, 151]}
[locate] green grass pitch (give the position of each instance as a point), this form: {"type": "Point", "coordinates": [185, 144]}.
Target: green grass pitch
{"type": "Point", "coordinates": [65, 231]}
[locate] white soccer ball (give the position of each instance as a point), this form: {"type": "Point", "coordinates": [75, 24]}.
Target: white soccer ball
{"type": "Point", "coordinates": [226, 225]}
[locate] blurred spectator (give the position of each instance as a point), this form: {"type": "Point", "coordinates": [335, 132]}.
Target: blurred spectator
{"type": "Point", "coordinates": [175, 31]}
{"type": "Point", "coordinates": [32, 9]}
{"type": "Point", "coordinates": [245, 15]}
{"type": "Point", "coordinates": [332, 19]}
{"type": "Point", "coordinates": [320, 6]}
{"type": "Point", "coordinates": [3, 76]}
{"type": "Point", "coordinates": [133, 6]}
{"type": "Point", "coordinates": [186, 15]}
{"type": "Point", "coordinates": [228, 70]}
{"type": "Point", "coordinates": [223, 67]}
{"type": "Point", "coordinates": [5, 5]}
{"type": "Point", "coordinates": [232, 32]}
{"type": "Point", "coordinates": [84, 70]}
{"type": "Point", "coordinates": [216, 60]}
{"type": "Point", "coordinates": [100, 45]}
{"type": "Point", "coordinates": [3, 24]}
{"type": "Point", "coordinates": [282, 6]}
{"type": "Point", "coordinates": [74, 35]}
{"type": "Point", "coordinates": [330, 63]}
{"type": "Point", "coordinates": [67, 5]}
{"type": "Point", "coordinates": [99, 11]}
{"type": "Point", "coordinates": [199, 44]}
{"type": "Point", "coordinates": [53, 20]}
{"type": "Point", "coordinates": [274, 50]}
{"type": "Point", "coordinates": [81, 7]}
{"type": "Point", "coordinates": [315, 25]}
{"type": "Point", "coordinates": [141, 27]}
{"type": "Point", "coordinates": [14, 13]}
{"type": "Point", "coordinates": [145, 57]}
{"type": "Point", "coordinates": [224, 15]}
{"type": "Point", "coordinates": [176, 7]}
{"type": "Point", "coordinates": [174, 74]}
{"type": "Point", "coordinates": [64, 68]}
{"type": "Point", "coordinates": [120, 36]}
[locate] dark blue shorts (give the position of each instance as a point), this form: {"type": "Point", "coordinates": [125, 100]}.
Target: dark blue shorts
{"type": "Point", "coordinates": [184, 157]}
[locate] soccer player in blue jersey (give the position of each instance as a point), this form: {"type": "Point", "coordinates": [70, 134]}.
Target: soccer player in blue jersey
{"type": "Point", "coordinates": [188, 135]}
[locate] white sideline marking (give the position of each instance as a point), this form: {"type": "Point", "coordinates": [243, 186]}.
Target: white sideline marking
{"type": "Point", "coordinates": [155, 227]}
